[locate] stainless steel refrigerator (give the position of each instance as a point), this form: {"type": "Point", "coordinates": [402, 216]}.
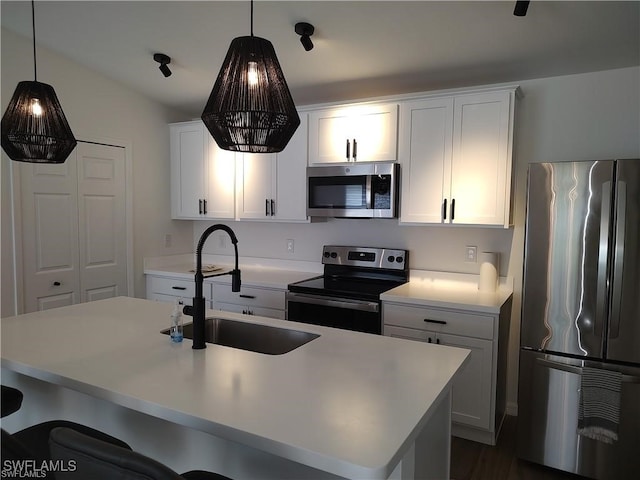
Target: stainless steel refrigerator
{"type": "Point", "coordinates": [580, 330]}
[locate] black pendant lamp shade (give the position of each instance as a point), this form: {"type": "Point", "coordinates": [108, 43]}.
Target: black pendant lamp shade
{"type": "Point", "coordinates": [250, 108]}
{"type": "Point", "coordinates": [34, 128]}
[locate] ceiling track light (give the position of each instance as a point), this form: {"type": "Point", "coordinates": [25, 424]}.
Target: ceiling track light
{"type": "Point", "coordinates": [250, 108]}
{"type": "Point", "coordinates": [34, 127]}
{"type": "Point", "coordinates": [520, 9]}
{"type": "Point", "coordinates": [163, 60]}
{"type": "Point", "coordinates": [305, 30]}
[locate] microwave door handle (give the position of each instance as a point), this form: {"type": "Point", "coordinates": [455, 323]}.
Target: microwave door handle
{"type": "Point", "coordinates": [368, 192]}
{"type": "Point", "coordinates": [603, 253]}
{"type": "Point", "coordinates": [618, 258]}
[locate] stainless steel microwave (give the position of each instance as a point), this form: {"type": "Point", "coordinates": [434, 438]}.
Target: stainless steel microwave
{"type": "Point", "coordinates": [365, 190]}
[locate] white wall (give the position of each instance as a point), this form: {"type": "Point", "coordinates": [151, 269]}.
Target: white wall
{"type": "Point", "coordinates": [576, 117]}
{"type": "Point", "coordinates": [98, 107]}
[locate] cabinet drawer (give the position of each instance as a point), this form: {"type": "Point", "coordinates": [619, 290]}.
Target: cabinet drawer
{"type": "Point", "coordinates": [172, 286]}
{"type": "Point", "coordinates": [260, 311]}
{"type": "Point", "coordinates": [249, 296]}
{"type": "Point", "coordinates": [443, 321]}
{"type": "Point", "coordinates": [161, 297]}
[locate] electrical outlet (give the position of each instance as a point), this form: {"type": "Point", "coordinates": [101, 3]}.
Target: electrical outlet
{"type": "Point", "coordinates": [471, 254]}
{"type": "Point", "coordinates": [167, 240]}
{"type": "Point", "coordinates": [290, 246]}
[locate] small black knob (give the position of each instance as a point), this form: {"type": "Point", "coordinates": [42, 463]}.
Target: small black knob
{"type": "Point", "coordinates": [399, 259]}
{"type": "Point", "coordinates": [326, 254]}
{"type": "Point", "coordinates": [390, 258]}
{"type": "Point", "coordinates": [334, 255]}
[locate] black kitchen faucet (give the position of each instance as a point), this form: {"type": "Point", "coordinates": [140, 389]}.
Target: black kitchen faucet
{"type": "Point", "coordinates": [198, 309]}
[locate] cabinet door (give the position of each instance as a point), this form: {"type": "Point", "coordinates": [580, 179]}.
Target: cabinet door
{"type": "Point", "coordinates": [472, 394]}
{"type": "Point", "coordinates": [291, 177]}
{"type": "Point", "coordinates": [256, 188]}
{"type": "Point", "coordinates": [425, 155]}
{"type": "Point", "coordinates": [332, 133]}
{"type": "Point", "coordinates": [188, 163]}
{"type": "Point", "coordinates": [221, 181]}
{"type": "Point", "coordinates": [481, 165]}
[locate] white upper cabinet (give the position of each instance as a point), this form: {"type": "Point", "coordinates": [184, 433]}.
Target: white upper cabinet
{"type": "Point", "coordinates": [353, 133]}
{"type": "Point", "coordinates": [456, 159]}
{"type": "Point", "coordinates": [272, 187]}
{"type": "Point", "coordinates": [202, 174]}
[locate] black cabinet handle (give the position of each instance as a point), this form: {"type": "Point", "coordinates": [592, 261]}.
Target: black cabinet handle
{"type": "Point", "coordinates": [266, 207]}
{"type": "Point", "coordinates": [438, 341]}
{"type": "Point", "coordinates": [56, 284]}
{"type": "Point", "coordinates": [439, 322]}
{"type": "Point", "coordinates": [204, 206]}
{"type": "Point", "coordinates": [348, 149]}
{"type": "Point", "coordinates": [273, 207]}
{"type": "Point", "coordinates": [244, 312]}
{"type": "Point", "coordinates": [179, 288]}
{"type": "Point", "coordinates": [453, 209]}
{"type": "Point", "coordinates": [200, 206]}
{"type": "Point", "coordinates": [429, 340]}
{"type": "Point", "coordinates": [444, 209]}
{"type": "Point", "coordinates": [355, 149]}
{"type": "Point", "coordinates": [246, 296]}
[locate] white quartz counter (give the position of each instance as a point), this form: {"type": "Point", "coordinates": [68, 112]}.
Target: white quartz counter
{"type": "Point", "coordinates": [347, 403]}
{"type": "Point", "coordinates": [253, 272]}
{"type": "Point", "coordinates": [449, 290]}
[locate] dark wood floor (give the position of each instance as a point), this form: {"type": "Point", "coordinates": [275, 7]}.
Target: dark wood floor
{"type": "Point", "coordinates": [475, 461]}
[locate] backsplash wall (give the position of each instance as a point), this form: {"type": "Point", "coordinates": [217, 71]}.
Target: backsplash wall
{"type": "Point", "coordinates": [440, 248]}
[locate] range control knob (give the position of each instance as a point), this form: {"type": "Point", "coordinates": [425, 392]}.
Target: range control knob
{"type": "Point", "coordinates": [334, 255]}
{"type": "Point", "coordinates": [326, 254]}
{"type": "Point", "coordinates": [399, 259]}
{"type": "Point", "coordinates": [390, 258]}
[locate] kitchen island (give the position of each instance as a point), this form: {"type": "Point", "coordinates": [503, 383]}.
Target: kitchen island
{"type": "Point", "coordinates": [346, 404]}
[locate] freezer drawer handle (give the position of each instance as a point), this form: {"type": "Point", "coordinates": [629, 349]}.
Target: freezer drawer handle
{"type": "Point", "coordinates": [578, 370]}
{"type": "Point", "coordinates": [439, 322]}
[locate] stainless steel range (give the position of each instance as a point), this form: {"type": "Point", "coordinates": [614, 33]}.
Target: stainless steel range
{"type": "Point", "coordinates": [348, 294]}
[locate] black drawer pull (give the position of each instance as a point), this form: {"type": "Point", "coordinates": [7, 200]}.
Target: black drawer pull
{"type": "Point", "coordinates": [348, 150]}
{"type": "Point", "coordinates": [246, 296]}
{"type": "Point", "coordinates": [439, 322]}
{"type": "Point", "coordinates": [444, 209]}
{"type": "Point", "coordinates": [179, 288]}
{"type": "Point", "coordinates": [56, 284]}
{"type": "Point", "coordinates": [355, 150]}
{"type": "Point", "coordinates": [453, 209]}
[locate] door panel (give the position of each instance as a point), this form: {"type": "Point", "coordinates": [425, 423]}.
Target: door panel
{"type": "Point", "coordinates": [624, 321]}
{"type": "Point", "coordinates": [102, 221]}
{"type": "Point", "coordinates": [565, 256]}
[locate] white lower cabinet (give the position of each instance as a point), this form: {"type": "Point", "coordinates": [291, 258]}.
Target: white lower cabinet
{"type": "Point", "coordinates": [250, 300]}
{"type": "Point", "coordinates": [168, 289]}
{"type": "Point", "coordinates": [479, 394]}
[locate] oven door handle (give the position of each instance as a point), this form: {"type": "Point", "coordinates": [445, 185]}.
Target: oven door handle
{"type": "Point", "coordinates": [350, 304]}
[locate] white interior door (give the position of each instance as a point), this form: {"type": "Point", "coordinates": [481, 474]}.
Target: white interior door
{"type": "Point", "coordinates": [102, 223]}
{"type": "Point", "coordinates": [50, 235]}
{"type": "Point", "coordinates": [74, 230]}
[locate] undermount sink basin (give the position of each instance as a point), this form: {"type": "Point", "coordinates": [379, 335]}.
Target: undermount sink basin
{"type": "Point", "coordinates": [250, 336]}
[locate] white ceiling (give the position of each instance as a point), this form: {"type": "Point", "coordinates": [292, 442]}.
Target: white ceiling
{"type": "Point", "coordinates": [362, 48]}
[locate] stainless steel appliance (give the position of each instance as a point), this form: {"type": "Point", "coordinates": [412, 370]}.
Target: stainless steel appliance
{"type": "Point", "coordinates": [580, 331]}
{"type": "Point", "coordinates": [348, 294]}
{"type": "Point", "coordinates": [365, 190]}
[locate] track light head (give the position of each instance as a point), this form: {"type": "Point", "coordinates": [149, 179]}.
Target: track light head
{"type": "Point", "coordinates": [521, 8]}
{"type": "Point", "coordinates": [305, 30]}
{"type": "Point", "coordinates": [163, 60]}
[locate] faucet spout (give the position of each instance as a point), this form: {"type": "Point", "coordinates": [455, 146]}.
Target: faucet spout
{"type": "Point", "coordinates": [199, 307]}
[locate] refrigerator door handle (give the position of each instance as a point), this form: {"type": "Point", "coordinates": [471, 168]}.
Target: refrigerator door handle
{"type": "Point", "coordinates": [603, 250]}
{"type": "Point", "coordinates": [565, 367]}
{"type": "Point", "coordinates": [618, 258]}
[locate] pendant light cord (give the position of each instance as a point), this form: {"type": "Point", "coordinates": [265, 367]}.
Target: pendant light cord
{"type": "Point", "coordinates": [33, 27]}
{"type": "Point", "coordinates": [252, 18]}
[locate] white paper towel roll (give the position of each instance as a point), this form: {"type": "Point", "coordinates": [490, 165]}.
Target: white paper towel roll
{"type": "Point", "coordinates": [489, 266]}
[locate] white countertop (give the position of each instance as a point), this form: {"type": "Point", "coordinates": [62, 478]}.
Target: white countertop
{"type": "Point", "coordinates": [348, 403]}
{"type": "Point", "coordinates": [253, 274]}
{"type": "Point", "coordinates": [449, 290]}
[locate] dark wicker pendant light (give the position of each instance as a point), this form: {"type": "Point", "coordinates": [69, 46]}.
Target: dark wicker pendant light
{"type": "Point", "coordinates": [34, 128]}
{"type": "Point", "coordinates": [250, 108]}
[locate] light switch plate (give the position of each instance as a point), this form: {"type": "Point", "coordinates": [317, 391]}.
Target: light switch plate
{"type": "Point", "coordinates": [471, 254]}
{"type": "Point", "coordinates": [290, 246]}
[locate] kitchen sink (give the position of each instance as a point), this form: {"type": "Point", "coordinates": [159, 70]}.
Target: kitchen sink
{"type": "Point", "coordinates": [250, 336]}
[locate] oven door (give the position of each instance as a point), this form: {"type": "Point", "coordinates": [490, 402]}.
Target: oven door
{"type": "Point", "coordinates": [346, 313]}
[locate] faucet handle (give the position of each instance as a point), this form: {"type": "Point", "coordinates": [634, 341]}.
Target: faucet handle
{"type": "Point", "coordinates": [188, 310]}
{"type": "Point", "coordinates": [235, 280]}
